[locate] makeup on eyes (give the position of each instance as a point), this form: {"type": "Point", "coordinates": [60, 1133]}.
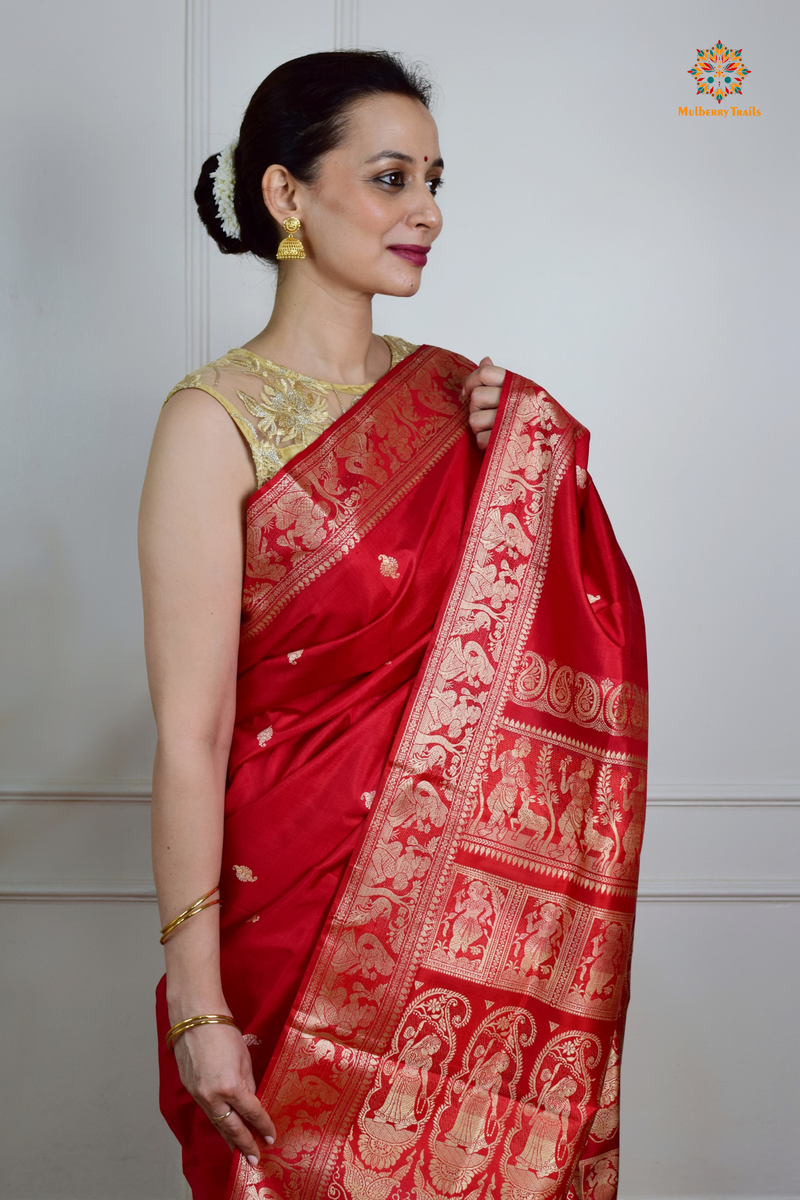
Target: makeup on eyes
{"type": "Point", "coordinates": [433, 184]}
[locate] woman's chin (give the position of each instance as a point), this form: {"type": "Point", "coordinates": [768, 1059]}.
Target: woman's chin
{"type": "Point", "coordinates": [407, 284]}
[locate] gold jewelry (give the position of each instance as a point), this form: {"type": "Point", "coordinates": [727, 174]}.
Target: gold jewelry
{"type": "Point", "coordinates": [191, 1022]}
{"type": "Point", "coordinates": [223, 1117]}
{"type": "Point", "coordinates": [191, 911]}
{"type": "Point", "coordinates": [291, 247]}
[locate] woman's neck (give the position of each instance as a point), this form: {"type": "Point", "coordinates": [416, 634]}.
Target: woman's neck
{"type": "Point", "coordinates": [322, 332]}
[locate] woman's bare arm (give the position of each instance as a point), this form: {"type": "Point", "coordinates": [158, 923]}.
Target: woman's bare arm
{"type": "Point", "coordinates": [191, 538]}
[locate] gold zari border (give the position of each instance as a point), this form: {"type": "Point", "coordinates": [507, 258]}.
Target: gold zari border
{"type": "Point", "coordinates": [343, 1130]}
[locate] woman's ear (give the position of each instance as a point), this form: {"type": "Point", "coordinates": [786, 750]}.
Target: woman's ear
{"type": "Point", "coordinates": [279, 189]}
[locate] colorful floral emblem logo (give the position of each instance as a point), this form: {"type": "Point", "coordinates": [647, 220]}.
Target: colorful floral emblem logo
{"type": "Point", "coordinates": [719, 72]}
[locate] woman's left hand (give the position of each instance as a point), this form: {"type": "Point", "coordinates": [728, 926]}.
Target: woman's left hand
{"type": "Point", "coordinates": [482, 389]}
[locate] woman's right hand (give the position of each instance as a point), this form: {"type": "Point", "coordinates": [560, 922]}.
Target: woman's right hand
{"type": "Point", "coordinates": [216, 1070]}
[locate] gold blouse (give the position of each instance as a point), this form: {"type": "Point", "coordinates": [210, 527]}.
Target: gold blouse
{"type": "Point", "coordinates": [290, 410]}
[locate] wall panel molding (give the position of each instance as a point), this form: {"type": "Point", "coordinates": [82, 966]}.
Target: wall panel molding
{"type": "Point", "coordinates": [786, 789]}
{"type": "Point", "coordinates": [345, 24]}
{"type": "Point", "coordinates": [197, 119]}
{"type": "Point", "coordinates": [140, 790]}
{"type": "Point", "coordinates": [726, 891]}
{"type": "Point", "coordinates": [651, 891]}
{"type": "Point", "coordinates": [79, 890]}
{"type": "Point", "coordinates": [64, 843]}
{"type": "Point", "coordinates": [715, 803]}
{"type": "Point", "coordinates": [87, 793]}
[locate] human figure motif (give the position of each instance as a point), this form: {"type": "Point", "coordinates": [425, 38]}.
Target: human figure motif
{"type": "Point", "coordinates": [474, 909]}
{"type": "Point", "coordinates": [449, 710]}
{"type": "Point", "coordinates": [606, 1120]}
{"type": "Point", "coordinates": [633, 802]}
{"type": "Point", "coordinates": [538, 948]}
{"type": "Point", "coordinates": [467, 661]}
{"type": "Point", "coordinates": [514, 780]}
{"type": "Point", "coordinates": [409, 1082]}
{"type": "Point", "coordinates": [549, 1129]}
{"type": "Point", "coordinates": [607, 949]}
{"type": "Point", "coordinates": [400, 863]}
{"type": "Point", "coordinates": [478, 1104]}
{"type": "Point", "coordinates": [602, 1181]}
{"type": "Point", "coordinates": [571, 821]}
{"type": "Point", "coordinates": [416, 805]}
{"type": "Point", "coordinates": [410, 866]}
{"type": "Point", "coordinates": [364, 955]}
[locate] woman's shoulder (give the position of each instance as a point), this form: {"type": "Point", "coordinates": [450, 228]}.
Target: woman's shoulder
{"type": "Point", "coordinates": [399, 347]}
{"type": "Point", "coordinates": [233, 370]}
{"type": "Point", "coordinates": [277, 411]}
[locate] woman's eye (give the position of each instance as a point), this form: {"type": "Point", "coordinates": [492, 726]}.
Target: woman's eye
{"type": "Point", "coordinates": [434, 185]}
{"type": "Point", "coordinates": [393, 178]}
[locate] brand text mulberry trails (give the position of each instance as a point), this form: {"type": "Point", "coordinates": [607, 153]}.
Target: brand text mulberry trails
{"type": "Point", "coordinates": [699, 111]}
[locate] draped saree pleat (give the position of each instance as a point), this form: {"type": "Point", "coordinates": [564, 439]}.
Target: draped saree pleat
{"type": "Point", "coordinates": [434, 810]}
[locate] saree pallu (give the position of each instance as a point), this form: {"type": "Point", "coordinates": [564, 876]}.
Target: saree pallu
{"type": "Point", "coordinates": [434, 812]}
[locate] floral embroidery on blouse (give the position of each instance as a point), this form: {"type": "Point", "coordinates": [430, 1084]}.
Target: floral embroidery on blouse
{"type": "Point", "coordinates": [279, 412]}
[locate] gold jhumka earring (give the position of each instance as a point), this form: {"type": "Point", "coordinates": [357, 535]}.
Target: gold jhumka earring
{"type": "Point", "coordinates": [291, 247]}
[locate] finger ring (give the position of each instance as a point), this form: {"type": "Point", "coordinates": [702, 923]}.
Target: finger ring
{"type": "Point", "coordinates": [224, 1115]}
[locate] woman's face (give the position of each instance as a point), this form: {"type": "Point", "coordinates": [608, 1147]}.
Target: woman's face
{"type": "Point", "coordinates": [371, 214]}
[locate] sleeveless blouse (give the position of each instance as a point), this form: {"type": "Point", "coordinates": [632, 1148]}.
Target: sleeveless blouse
{"type": "Point", "coordinates": [279, 412]}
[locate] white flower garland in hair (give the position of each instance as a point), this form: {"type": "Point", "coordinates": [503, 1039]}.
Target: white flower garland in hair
{"type": "Point", "coordinates": [224, 183]}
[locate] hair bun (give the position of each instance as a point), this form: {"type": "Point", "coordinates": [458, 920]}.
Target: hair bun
{"type": "Point", "coordinates": [207, 207]}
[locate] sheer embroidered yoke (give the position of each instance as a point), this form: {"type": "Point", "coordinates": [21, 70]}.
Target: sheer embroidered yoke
{"type": "Point", "coordinates": [279, 412]}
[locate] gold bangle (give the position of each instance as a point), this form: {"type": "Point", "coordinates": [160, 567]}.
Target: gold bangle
{"type": "Point", "coordinates": [191, 911]}
{"type": "Point", "coordinates": [207, 1019]}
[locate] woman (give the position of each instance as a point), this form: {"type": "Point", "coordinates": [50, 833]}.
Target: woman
{"type": "Point", "coordinates": [340, 585]}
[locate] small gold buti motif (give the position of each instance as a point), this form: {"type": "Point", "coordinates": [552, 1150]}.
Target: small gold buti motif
{"type": "Point", "coordinates": [265, 735]}
{"type": "Point", "coordinates": [294, 656]}
{"type": "Point", "coordinates": [244, 874]}
{"type": "Point", "coordinates": [389, 566]}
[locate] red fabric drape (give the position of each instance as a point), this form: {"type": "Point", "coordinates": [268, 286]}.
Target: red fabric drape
{"type": "Point", "coordinates": [434, 812]}
{"type": "Point", "coordinates": [357, 535]}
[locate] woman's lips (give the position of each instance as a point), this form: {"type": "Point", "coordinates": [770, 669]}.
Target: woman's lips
{"type": "Point", "coordinates": [418, 255]}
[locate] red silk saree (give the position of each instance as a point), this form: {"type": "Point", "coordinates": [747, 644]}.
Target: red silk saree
{"type": "Point", "coordinates": [434, 812]}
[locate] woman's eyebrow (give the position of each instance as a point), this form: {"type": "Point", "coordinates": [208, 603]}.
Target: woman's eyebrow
{"type": "Point", "coordinates": [398, 154]}
{"type": "Point", "coordinates": [391, 154]}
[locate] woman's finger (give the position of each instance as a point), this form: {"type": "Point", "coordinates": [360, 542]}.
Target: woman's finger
{"type": "Point", "coordinates": [491, 376]}
{"type": "Point", "coordinates": [251, 1110]}
{"type": "Point", "coordinates": [236, 1135]}
{"type": "Point", "coordinates": [485, 374]}
{"type": "Point", "coordinates": [236, 1113]}
{"type": "Point", "coordinates": [485, 397]}
{"type": "Point", "coordinates": [482, 419]}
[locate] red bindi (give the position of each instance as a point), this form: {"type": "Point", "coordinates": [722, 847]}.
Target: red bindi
{"type": "Point", "coordinates": [426, 158]}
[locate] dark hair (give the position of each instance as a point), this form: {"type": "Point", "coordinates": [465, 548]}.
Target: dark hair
{"type": "Point", "coordinates": [296, 115]}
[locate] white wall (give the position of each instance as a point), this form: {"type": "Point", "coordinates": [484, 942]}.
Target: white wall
{"type": "Point", "coordinates": [638, 264]}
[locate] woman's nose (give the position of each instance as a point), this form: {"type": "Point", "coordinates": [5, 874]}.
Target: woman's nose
{"type": "Point", "coordinates": [426, 211]}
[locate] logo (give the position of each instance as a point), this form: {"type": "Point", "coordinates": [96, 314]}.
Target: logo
{"type": "Point", "coordinates": [719, 72]}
